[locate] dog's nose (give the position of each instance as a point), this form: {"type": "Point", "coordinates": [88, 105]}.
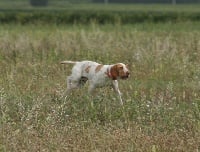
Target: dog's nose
{"type": "Point", "coordinates": [127, 73]}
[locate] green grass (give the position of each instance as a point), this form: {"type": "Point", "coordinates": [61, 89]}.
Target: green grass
{"type": "Point", "coordinates": [138, 7]}
{"type": "Point", "coordinates": [63, 12]}
{"type": "Point", "coordinates": [65, 5]}
{"type": "Point", "coordinates": [161, 112]}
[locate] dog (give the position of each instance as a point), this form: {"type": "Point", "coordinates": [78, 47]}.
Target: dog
{"type": "Point", "coordinates": [98, 75]}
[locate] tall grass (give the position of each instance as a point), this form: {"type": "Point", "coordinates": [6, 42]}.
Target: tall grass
{"type": "Point", "coordinates": [162, 99]}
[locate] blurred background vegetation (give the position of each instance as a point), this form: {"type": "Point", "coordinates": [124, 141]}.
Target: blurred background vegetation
{"type": "Point", "coordinates": [98, 11]}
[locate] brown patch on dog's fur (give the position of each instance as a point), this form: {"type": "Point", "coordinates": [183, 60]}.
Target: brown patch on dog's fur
{"type": "Point", "coordinates": [87, 69]}
{"type": "Point", "coordinates": [98, 68]}
{"type": "Point", "coordinates": [114, 71]}
{"type": "Point", "coordinates": [117, 71]}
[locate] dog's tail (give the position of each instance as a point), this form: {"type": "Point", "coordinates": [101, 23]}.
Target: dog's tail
{"type": "Point", "coordinates": [66, 62]}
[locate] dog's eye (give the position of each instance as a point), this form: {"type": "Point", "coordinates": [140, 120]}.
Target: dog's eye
{"type": "Point", "coordinates": [121, 67]}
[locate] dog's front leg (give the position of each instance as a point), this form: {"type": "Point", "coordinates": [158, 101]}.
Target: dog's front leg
{"type": "Point", "coordinates": [116, 88]}
{"type": "Point", "coordinates": [91, 88]}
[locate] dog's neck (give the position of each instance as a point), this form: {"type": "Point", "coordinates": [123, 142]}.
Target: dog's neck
{"type": "Point", "coordinates": [109, 73]}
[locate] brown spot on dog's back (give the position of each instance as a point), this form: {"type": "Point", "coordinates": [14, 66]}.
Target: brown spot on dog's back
{"type": "Point", "coordinates": [98, 68]}
{"type": "Point", "coordinates": [87, 69]}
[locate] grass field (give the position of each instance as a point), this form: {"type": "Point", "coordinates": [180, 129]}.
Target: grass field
{"type": "Point", "coordinates": [64, 12]}
{"type": "Point", "coordinates": [65, 5]}
{"type": "Point", "coordinates": [162, 108]}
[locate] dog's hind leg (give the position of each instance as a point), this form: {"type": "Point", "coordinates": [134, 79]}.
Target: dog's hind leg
{"type": "Point", "coordinates": [72, 84]}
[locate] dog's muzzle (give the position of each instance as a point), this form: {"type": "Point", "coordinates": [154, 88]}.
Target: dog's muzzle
{"type": "Point", "coordinates": [127, 75]}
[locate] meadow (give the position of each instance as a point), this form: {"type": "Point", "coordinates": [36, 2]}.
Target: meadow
{"type": "Point", "coordinates": [162, 96]}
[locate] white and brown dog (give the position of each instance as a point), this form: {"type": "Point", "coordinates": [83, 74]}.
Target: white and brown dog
{"type": "Point", "coordinates": [97, 74]}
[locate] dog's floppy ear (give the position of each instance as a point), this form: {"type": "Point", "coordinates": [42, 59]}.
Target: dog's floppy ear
{"type": "Point", "coordinates": [114, 71]}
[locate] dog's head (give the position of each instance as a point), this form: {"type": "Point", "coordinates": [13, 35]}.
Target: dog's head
{"type": "Point", "coordinates": [119, 70]}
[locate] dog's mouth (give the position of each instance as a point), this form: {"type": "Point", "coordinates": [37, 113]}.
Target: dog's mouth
{"type": "Point", "coordinates": [125, 77]}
